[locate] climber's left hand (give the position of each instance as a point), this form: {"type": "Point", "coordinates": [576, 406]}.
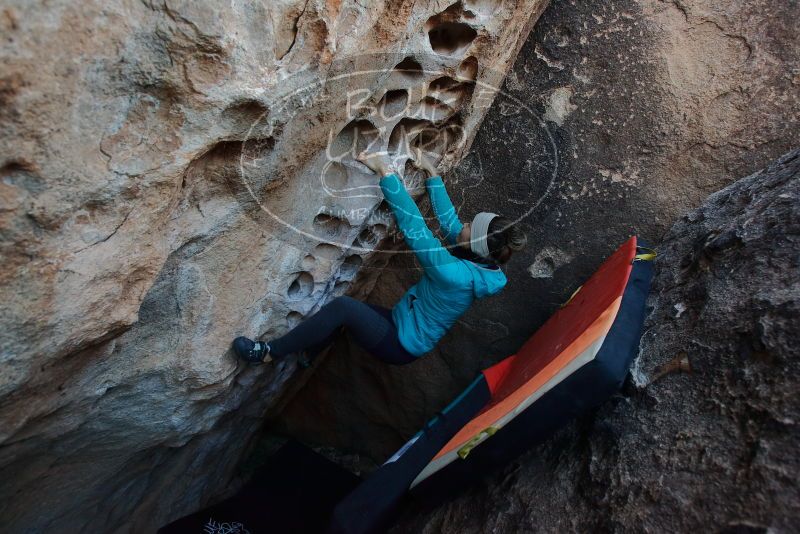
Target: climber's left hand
{"type": "Point", "coordinates": [378, 162]}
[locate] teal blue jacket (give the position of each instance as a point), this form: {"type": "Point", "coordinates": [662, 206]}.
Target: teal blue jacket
{"type": "Point", "coordinates": [449, 284]}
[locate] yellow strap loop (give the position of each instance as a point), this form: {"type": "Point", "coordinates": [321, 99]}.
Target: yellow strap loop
{"type": "Point", "coordinates": [649, 255]}
{"type": "Point", "coordinates": [464, 451]}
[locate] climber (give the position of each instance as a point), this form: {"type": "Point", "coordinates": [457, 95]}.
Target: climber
{"type": "Point", "coordinates": [451, 279]}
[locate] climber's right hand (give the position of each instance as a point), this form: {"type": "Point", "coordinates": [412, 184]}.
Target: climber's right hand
{"type": "Point", "coordinates": [423, 162]}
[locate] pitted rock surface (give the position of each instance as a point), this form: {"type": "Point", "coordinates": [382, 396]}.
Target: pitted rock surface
{"type": "Point", "coordinates": [175, 174]}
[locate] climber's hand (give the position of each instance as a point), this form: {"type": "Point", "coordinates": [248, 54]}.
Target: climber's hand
{"type": "Point", "coordinates": [423, 162]}
{"type": "Point", "coordinates": [378, 162]}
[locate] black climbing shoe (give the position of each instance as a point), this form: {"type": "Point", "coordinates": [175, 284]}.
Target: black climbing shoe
{"type": "Point", "coordinates": [251, 351]}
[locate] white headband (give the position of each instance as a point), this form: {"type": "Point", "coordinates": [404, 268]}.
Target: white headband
{"type": "Point", "coordinates": [478, 231]}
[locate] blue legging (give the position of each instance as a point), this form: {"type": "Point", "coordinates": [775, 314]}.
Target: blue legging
{"type": "Point", "coordinates": [371, 326]}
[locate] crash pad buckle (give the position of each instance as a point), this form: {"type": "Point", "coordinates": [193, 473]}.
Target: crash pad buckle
{"type": "Point", "coordinates": [464, 451]}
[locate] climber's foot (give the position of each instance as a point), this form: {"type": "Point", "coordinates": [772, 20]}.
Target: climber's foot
{"type": "Point", "coordinates": [251, 351]}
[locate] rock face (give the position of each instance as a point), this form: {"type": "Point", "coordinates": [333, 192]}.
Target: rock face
{"type": "Point", "coordinates": [178, 173]}
{"type": "Point", "coordinates": [615, 119]}
{"type": "Point", "coordinates": [706, 436]}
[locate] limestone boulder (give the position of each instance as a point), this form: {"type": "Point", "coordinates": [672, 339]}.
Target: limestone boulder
{"type": "Point", "coordinates": [175, 174]}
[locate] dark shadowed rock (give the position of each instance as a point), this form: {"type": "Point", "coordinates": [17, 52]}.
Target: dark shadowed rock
{"type": "Point", "coordinates": [705, 437]}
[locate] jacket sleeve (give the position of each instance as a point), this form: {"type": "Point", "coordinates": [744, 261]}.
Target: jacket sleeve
{"type": "Point", "coordinates": [444, 209]}
{"type": "Point", "coordinates": [434, 258]}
